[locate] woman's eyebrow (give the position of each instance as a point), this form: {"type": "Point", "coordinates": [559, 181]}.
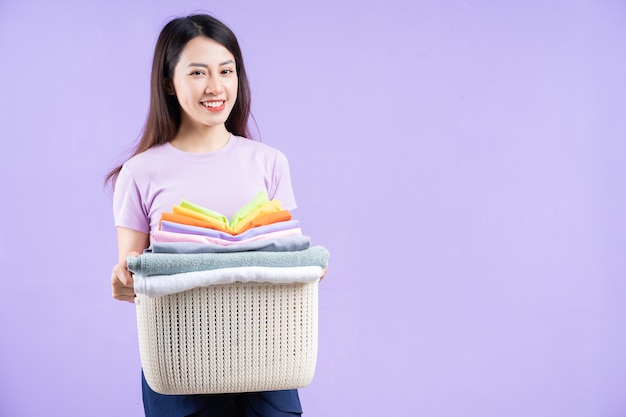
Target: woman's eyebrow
{"type": "Point", "coordinates": [197, 64]}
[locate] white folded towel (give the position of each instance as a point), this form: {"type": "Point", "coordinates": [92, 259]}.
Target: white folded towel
{"type": "Point", "coordinates": [159, 285]}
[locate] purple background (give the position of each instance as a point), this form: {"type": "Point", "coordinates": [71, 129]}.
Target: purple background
{"type": "Point", "coordinates": [463, 162]}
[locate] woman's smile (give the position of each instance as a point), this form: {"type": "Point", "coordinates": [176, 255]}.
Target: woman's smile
{"type": "Point", "coordinates": [214, 105]}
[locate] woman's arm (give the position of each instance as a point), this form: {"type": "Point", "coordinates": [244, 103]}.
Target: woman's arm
{"type": "Point", "coordinates": [130, 243]}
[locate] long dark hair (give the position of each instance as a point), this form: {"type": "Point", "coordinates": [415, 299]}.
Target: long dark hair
{"type": "Point", "coordinates": [164, 114]}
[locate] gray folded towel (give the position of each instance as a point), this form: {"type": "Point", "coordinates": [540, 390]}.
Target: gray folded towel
{"type": "Point", "coordinates": [149, 264]}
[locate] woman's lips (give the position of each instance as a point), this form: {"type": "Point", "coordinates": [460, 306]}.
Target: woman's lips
{"type": "Point", "coordinates": [214, 105]}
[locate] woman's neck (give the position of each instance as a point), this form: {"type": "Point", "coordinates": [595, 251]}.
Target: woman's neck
{"type": "Point", "coordinates": [195, 140]}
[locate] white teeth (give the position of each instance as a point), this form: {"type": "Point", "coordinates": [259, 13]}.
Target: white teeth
{"type": "Point", "coordinates": [212, 104]}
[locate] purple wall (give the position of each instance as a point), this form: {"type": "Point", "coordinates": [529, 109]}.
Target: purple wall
{"type": "Point", "coordinates": [463, 161]}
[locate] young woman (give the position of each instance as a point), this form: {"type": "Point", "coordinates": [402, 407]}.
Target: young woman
{"type": "Point", "coordinates": [194, 147]}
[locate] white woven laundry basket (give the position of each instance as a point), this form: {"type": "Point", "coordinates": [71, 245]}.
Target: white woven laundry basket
{"type": "Point", "coordinates": [240, 337]}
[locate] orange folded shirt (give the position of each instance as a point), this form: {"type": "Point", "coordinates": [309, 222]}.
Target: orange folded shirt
{"type": "Point", "coordinates": [261, 220]}
{"type": "Point", "coordinates": [189, 221]}
{"type": "Point", "coordinates": [265, 219]}
{"type": "Point", "coordinates": [214, 223]}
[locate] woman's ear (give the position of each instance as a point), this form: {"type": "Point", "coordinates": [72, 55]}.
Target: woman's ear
{"type": "Point", "coordinates": [169, 87]}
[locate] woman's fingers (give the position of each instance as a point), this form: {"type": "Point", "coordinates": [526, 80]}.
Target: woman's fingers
{"type": "Point", "coordinates": [122, 284]}
{"type": "Point", "coordinates": [121, 274]}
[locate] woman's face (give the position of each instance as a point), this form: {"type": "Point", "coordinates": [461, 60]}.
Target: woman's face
{"type": "Point", "coordinates": [205, 83]}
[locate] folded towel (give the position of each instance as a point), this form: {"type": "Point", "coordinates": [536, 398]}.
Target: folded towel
{"type": "Point", "coordinates": [160, 285]}
{"type": "Point", "coordinates": [276, 244]}
{"type": "Point", "coordinates": [148, 264]}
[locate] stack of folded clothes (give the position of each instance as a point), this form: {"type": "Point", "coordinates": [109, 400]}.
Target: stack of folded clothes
{"type": "Point", "coordinates": [196, 247]}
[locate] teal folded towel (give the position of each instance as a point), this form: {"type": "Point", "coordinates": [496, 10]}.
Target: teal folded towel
{"type": "Point", "coordinates": [148, 264]}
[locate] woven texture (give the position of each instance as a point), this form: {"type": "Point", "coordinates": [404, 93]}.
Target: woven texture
{"type": "Point", "coordinates": [240, 337]}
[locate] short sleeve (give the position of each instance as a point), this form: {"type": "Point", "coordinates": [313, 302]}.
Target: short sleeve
{"type": "Point", "coordinates": [128, 208]}
{"type": "Point", "coordinates": [281, 189]}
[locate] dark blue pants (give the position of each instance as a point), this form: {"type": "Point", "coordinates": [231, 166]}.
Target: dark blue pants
{"type": "Point", "coordinates": [252, 404]}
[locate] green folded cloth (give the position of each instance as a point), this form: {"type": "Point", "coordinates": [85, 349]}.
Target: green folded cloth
{"type": "Point", "coordinates": [259, 200]}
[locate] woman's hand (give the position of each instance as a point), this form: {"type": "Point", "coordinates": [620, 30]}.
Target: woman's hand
{"type": "Point", "coordinates": [122, 281]}
{"type": "Point", "coordinates": [130, 243]}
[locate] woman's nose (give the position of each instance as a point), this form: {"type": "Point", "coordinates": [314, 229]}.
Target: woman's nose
{"type": "Point", "coordinates": [213, 86]}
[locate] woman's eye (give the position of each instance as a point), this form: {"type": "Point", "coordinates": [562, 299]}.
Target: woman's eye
{"type": "Point", "coordinates": [197, 73]}
{"type": "Point", "coordinates": [228, 71]}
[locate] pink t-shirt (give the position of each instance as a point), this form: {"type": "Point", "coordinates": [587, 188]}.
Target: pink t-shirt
{"type": "Point", "coordinates": [224, 181]}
